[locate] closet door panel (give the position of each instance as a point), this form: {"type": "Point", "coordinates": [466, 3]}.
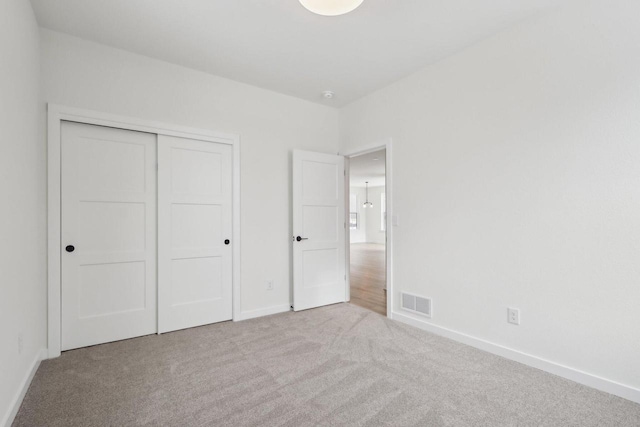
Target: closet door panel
{"type": "Point", "coordinates": [194, 232]}
{"type": "Point", "coordinates": [108, 234]}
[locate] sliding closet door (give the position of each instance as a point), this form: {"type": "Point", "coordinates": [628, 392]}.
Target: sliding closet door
{"type": "Point", "coordinates": [194, 232]}
{"type": "Point", "coordinates": [108, 234]}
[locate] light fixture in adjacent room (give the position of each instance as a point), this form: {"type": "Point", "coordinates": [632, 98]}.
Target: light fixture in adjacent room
{"type": "Point", "coordinates": [367, 204]}
{"type": "Point", "coordinates": [331, 7]}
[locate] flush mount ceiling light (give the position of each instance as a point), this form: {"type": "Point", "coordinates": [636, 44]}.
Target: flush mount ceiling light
{"type": "Point", "coordinates": [331, 7]}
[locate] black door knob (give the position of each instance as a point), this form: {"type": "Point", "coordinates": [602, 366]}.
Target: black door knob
{"type": "Point", "coordinates": [70, 248]}
{"type": "Point", "coordinates": [301, 238]}
{"type": "Point", "coordinates": [227, 241]}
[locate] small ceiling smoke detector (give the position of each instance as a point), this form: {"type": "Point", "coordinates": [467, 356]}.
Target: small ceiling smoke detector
{"type": "Point", "coordinates": [328, 94]}
{"type": "Point", "coordinates": [331, 7]}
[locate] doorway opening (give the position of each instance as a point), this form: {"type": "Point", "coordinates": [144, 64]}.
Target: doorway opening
{"type": "Point", "coordinates": [368, 231]}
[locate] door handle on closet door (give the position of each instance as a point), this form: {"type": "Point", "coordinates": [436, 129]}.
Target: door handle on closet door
{"type": "Point", "coordinates": [70, 248]}
{"type": "Point", "coordinates": [301, 238]}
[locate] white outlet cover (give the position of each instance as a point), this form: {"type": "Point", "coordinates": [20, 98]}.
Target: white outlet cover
{"type": "Point", "coordinates": [513, 316]}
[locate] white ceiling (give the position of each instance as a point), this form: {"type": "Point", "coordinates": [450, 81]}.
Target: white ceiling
{"type": "Point", "coordinates": [279, 45]}
{"type": "Point", "coordinates": [367, 167]}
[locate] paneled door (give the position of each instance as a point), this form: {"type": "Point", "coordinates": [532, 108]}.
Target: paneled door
{"type": "Point", "coordinates": [194, 233]}
{"type": "Point", "coordinates": [108, 234]}
{"type": "Point", "coordinates": [319, 229]}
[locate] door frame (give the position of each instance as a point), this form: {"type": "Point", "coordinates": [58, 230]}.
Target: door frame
{"type": "Point", "coordinates": [385, 144]}
{"type": "Point", "coordinates": [56, 114]}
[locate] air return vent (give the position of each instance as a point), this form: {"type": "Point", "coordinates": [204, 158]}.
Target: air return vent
{"type": "Point", "coordinates": [416, 304]}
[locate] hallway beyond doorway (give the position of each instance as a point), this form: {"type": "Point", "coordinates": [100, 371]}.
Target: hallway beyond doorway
{"type": "Point", "coordinates": [368, 277]}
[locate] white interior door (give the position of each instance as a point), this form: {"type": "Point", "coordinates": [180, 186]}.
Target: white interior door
{"type": "Point", "coordinates": [194, 233]}
{"type": "Point", "coordinates": [108, 234]}
{"type": "Point", "coordinates": [319, 230]}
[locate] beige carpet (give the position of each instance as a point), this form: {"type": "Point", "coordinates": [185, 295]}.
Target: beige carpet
{"type": "Point", "coordinates": [337, 365]}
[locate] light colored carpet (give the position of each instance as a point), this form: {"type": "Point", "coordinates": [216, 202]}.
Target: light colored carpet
{"type": "Point", "coordinates": [337, 365]}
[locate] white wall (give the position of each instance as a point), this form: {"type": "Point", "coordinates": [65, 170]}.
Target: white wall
{"type": "Point", "coordinates": [374, 217]}
{"type": "Point", "coordinates": [517, 183]}
{"type": "Point", "coordinates": [359, 235]}
{"type": "Point", "coordinates": [82, 74]}
{"type": "Point", "coordinates": [22, 217]}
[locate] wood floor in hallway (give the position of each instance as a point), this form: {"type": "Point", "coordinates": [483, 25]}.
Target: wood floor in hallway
{"type": "Point", "coordinates": [368, 277]}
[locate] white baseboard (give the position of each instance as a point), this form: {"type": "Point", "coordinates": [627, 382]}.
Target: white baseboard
{"type": "Point", "coordinates": [252, 314]}
{"type": "Point", "coordinates": [585, 378]}
{"type": "Point", "coordinates": [22, 391]}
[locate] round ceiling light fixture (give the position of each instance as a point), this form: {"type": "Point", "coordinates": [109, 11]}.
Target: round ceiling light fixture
{"type": "Point", "coordinates": [331, 7]}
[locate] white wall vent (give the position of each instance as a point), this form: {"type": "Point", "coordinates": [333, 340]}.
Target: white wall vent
{"type": "Point", "coordinates": [416, 304]}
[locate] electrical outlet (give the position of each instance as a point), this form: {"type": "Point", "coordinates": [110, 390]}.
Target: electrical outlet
{"type": "Point", "coordinates": [269, 285]}
{"type": "Point", "coordinates": [513, 316]}
{"type": "Point", "coordinates": [20, 343]}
